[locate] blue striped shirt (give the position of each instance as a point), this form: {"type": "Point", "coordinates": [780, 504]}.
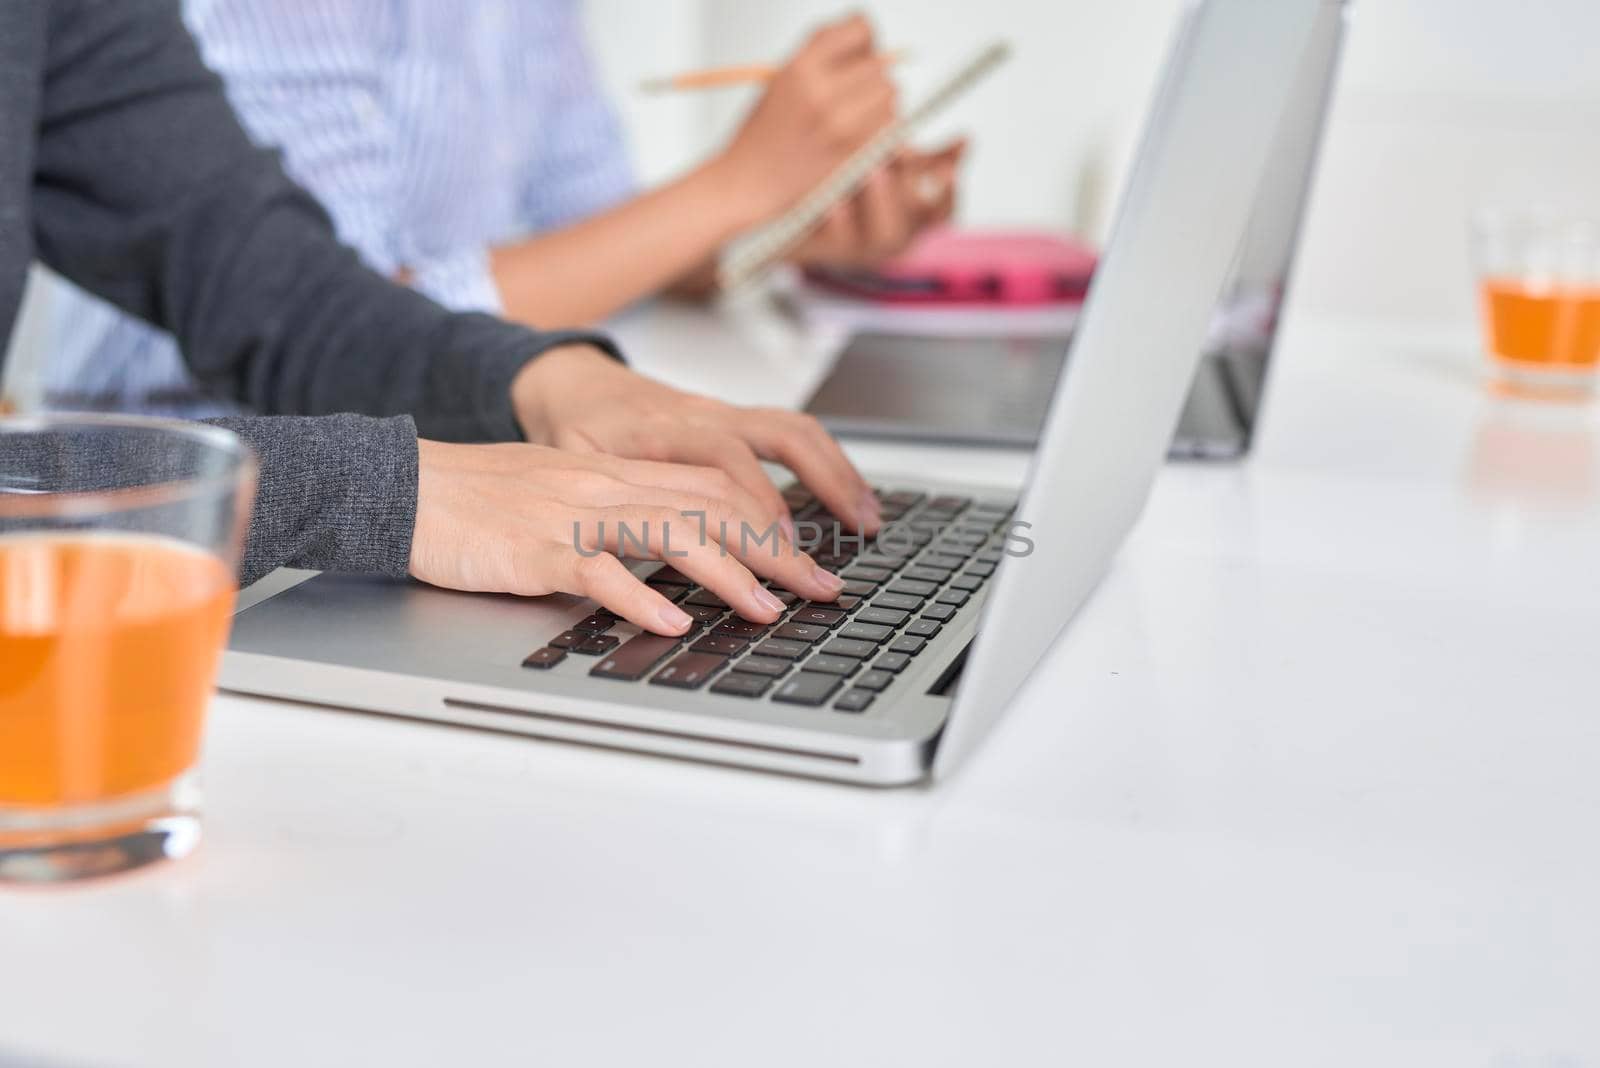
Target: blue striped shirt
{"type": "Point", "coordinates": [431, 130]}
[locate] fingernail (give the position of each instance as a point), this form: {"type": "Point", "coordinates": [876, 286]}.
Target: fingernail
{"type": "Point", "coordinates": [674, 618]}
{"type": "Point", "coordinates": [766, 600]}
{"type": "Point", "coordinates": [828, 580]}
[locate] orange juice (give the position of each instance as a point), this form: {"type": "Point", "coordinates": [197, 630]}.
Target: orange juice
{"type": "Point", "coordinates": [1555, 328]}
{"type": "Point", "coordinates": [108, 649]}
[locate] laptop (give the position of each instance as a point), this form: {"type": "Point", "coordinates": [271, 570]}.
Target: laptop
{"type": "Point", "coordinates": [996, 390]}
{"type": "Point", "coordinates": [951, 606]}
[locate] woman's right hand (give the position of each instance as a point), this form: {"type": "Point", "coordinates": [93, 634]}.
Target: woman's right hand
{"type": "Point", "coordinates": [827, 101]}
{"type": "Point", "coordinates": [532, 520]}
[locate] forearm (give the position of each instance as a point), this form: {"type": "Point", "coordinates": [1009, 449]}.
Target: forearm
{"type": "Point", "coordinates": [148, 194]}
{"type": "Point", "coordinates": [662, 240]}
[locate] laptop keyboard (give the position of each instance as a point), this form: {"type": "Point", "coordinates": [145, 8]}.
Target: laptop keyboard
{"type": "Point", "coordinates": [901, 588]}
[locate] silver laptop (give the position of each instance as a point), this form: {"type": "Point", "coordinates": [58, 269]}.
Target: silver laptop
{"type": "Point", "coordinates": [951, 607]}
{"type": "Point", "coordinates": [996, 390]}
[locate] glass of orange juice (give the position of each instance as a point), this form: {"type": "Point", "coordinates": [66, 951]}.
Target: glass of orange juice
{"type": "Point", "coordinates": [1539, 287]}
{"type": "Point", "coordinates": [119, 546]}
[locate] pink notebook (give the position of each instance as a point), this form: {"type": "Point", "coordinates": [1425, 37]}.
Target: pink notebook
{"type": "Point", "coordinates": [949, 266]}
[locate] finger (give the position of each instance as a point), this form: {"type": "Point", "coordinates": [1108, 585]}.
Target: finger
{"type": "Point", "coordinates": [834, 241]}
{"type": "Point", "coordinates": [704, 464]}
{"type": "Point", "coordinates": [749, 489]}
{"type": "Point", "coordinates": [605, 579]}
{"type": "Point", "coordinates": [884, 214]}
{"type": "Point", "coordinates": [863, 104]}
{"type": "Point", "coordinates": [930, 188]}
{"type": "Point", "coordinates": [800, 443]}
{"type": "Point", "coordinates": [712, 545]}
{"type": "Point", "coordinates": [642, 480]}
{"type": "Point", "coordinates": [849, 38]}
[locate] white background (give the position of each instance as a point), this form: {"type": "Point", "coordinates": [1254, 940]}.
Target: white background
{"type": "Point", "coordinates": [1443, 104]}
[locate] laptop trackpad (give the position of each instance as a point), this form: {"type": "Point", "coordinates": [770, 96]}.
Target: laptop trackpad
{"type": "Point", "coordinates": [984, 390]}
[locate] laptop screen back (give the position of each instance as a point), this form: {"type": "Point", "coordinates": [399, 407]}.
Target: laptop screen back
{"type": "Point", "coordinates": [1201, 160]}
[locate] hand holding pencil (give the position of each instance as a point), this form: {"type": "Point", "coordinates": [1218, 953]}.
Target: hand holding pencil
{"type": "Point", "coordinates": [822, 105]}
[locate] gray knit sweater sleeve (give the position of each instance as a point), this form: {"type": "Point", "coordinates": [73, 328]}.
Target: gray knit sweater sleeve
{"type": "Point", "coordinates": [147, 192]}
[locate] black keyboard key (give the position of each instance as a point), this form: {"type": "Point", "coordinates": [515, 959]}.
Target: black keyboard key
{"type": "Point", "coordinates": [955, 549]}
{"type": "Point", "coordinates": [885, 560]}
{"type": "Point", "coordinates": [567, 639]}
{"type": "Point", "coordinates": [801, 632]}
{"type": "Point", "coordinates": [950, 503]}
{"type": "Point", "coordinates": [719, 645]}
{"type": "Point", "coordinates": [597, 623]}
{"type": "Point", "coordinates": [832, 665]}
{"type": "Point", "coordinates": [967, 582]}
{"type": "Point", "coordinates": [736, 685]}
{"type": "Point", "coordinates": [670, 575]}
{"type": "Point", "coordinates": [854, 700]}
{"type": "Point", "coordinates": [845, 602]}
{"type": "Point", "coordinates": [911, 646]}
{"type": "Point", "coordinates": [734, 627]}
{"type": "Point", "coordinates": [887, 617]}
{"type": "Point", "coordinates": [783, 596]}
{"type": "Point", "coordinates": [600, 644]}
{"type": "Point", "coordinates": [924, 628]}
{"type": "Point", "coordinates": [706, 597]}
{"type": "Point", "coordinates": [902, 602]}
{"type": "Point", "coordinates": [914, 588]}
{"type": "Point", "coordinates": [859, 587]}
{"type": "Point", "coordinates": [927, 574]}
{"type": "Point", "coordinates": [874, 681]}
{"type": "Point", "coordinates": [689, 671]}
{"type": "Point", "coordinates": [942, 560]}
{"type": "Point", "coordinates": [969, 537]}
{"type": "Point", "coordinates": [822, 617]}
{"type": "Point", "coordinates": [849, 647]}
{"type": "Point", "coordinates": [955, 597]}
{"type": "Point", "coordinates": [903, 498]}
{"type": "Point", "coordinates": [807, 688]}
{"type": "Point", "coordinates": [782, 648]}
{"type": "Point", "coordinates": [990, 556]}
{"type": "Point", "coordinates": [669, 591]}
{"type": "Point", "coordinates": [939, 613]}
{"type": "Point", "coordinates": [702, 613]}
{"type": "Point", "coordinates": [797, 497]}
{"type": "Point", "coordinates": [636, 657]}
{"type": "Point", "coordinates": [891, 662]}
{"type": "Point", "coordinates": [544, 658]}
{"type": "Point", "coordinates": [980, 569]}
{"type": "Point", "coordinates": [763, 665]}
{"type": "Point", "coordinates": [867, 572]}
{"type": "Point", "coordinates": [865, 632]}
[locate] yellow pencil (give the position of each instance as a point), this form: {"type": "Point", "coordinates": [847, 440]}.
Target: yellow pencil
{"type": "Point", "coordinates": [743, 74]}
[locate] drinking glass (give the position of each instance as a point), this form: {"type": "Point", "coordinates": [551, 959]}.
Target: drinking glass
{"type": "Point", "coordinates": [119, 546]}
{"type": "Point", "coordinates": [1539, 289]}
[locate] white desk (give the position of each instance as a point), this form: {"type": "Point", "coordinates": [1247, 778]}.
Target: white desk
{"type": "Point", "coordinates": [1314, 780]}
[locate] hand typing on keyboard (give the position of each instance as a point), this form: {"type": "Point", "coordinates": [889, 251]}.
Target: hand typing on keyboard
{"type": "Point", "coordinates": [532, 520]}
{"type": "Point", "coordinates": [576, 398]}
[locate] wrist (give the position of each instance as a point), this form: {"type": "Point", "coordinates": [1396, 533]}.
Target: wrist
{"type": "Point", "coordinates": [545, 379]}
{"type": "Point", "coordinates": [740, 196]}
